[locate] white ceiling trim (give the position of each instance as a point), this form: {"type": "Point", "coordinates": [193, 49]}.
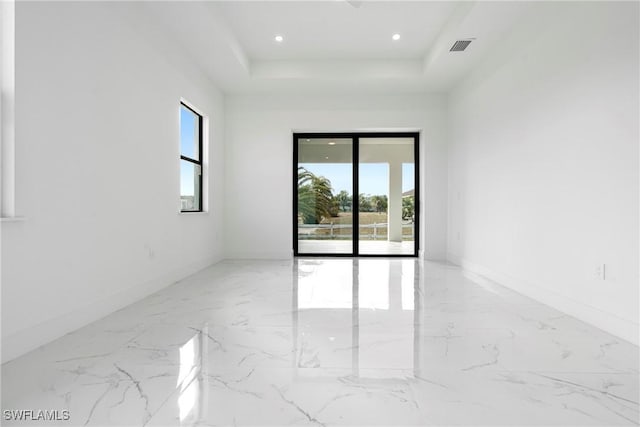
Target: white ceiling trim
{"type": "Point", "coordinates": [449, 33]}
{"type": "Point", "coordinates": [206, 35]}
{"type": "Point", "coordinates": [340, 69]}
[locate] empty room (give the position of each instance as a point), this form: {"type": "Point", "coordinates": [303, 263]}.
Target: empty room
{"type": "Point", "coordinates": [338, 212]}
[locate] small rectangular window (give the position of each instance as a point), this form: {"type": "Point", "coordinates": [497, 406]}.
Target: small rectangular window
{"type": "Point", "coordinates": [190, 159]}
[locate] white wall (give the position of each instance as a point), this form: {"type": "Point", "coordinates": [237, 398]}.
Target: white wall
{"type": "Point", "coordinates": [543, 163]}
{"type": "Point", "coordinates": [97, 174]}
{"type": "Point", "coordinates": [259, 159]}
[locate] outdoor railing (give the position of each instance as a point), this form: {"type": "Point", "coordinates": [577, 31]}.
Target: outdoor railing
{"type": "Point", "coordinates": [333, 231]}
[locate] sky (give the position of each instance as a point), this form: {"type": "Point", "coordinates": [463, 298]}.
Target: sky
{"type": "Point", "coordinates": [374, 177]}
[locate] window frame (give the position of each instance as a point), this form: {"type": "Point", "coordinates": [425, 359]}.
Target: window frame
{"type": "Point", "coordinates": [355, 137]}
{"type": "Point", "coordinates": [198, 162]}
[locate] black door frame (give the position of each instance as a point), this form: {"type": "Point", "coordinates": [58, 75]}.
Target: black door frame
{"type": "Point", "coordinates": [355, 208]}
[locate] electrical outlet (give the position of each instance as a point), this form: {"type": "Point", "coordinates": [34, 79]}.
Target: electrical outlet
{"type": "Point", "coordinates": [150, 252]}
{"type": "Point", "coordinates": [601, 272]}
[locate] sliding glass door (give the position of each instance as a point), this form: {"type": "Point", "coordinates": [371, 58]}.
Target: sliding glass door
{"type": "Point", "coordinates": [387, 190]}
{"type": "Point", "coordinates": [381, 169]}
{"type": "Point", "coordinates": [324, 186]}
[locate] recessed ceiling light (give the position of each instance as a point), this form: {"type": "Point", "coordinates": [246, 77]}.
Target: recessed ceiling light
{"type": "Point", "coordinates": [279, 38]}
{"type": "Point", "coordinates": [332, 143]}
{"type": "Point", "coordinates": [308, 140]}
{"type": "Point", "coordinates": [396, 36]}
{"type": "Point", "coordinates": [327, 157]}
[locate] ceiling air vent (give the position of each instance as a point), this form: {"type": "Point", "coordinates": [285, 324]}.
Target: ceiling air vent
{"type": "Point", "coordinates": [459, 45]}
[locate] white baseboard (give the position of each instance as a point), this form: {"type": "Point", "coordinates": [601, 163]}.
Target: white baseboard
{"type": "Point", "coordinates": [432, 256]}
{"type": "Point", "coordinates": [608, 322]}
{"type": "Point", "coordinates": [28, 339]}
{"type": "Point", "coordinates": [276, 256]}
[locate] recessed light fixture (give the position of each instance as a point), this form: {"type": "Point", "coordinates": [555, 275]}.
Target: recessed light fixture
{"type": "Point", "coordinates": [279, 38]}
{"type": "Point", "coordinates": [396, 36]}
{"type": "Point", "coordinates": [332, 143]}
{"type": "Point", "coordinates": [327, 157]}
{"type": "Point", "coordinates": [308, 140]}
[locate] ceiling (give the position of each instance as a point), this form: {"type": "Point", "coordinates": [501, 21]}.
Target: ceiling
{"type": "Point", "coordinates": [332, 30]}
{"type": "Point", "coordinates": [333, 46]}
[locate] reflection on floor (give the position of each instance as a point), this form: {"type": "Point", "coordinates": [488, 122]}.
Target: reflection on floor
{"type": "Point", "coordinates": [330, 342]}
{"type": "Point", "coordinates": [367, 247]}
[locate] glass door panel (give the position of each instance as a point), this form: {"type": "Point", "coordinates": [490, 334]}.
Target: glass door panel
{"type": "Point", "coordinates": [324, 196]}
{"type": "Point", "coordinates": [386, 182]}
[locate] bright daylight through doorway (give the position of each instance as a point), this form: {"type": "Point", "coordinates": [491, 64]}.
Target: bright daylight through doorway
{"type": "Point", "coordinates": [329, 169]}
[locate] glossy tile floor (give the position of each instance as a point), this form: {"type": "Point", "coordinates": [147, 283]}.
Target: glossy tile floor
{"type": "Point", "coordinates": [331, 342]}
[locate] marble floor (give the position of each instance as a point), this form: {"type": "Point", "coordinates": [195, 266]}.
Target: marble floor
{"type": "Point", "coordinates": [331, 342]}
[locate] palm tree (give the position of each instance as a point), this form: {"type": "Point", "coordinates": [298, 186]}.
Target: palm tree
{"type": "Point", "coordinates": [315, 197]}
{"type": "Point", "coordinates": [304, 176]}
